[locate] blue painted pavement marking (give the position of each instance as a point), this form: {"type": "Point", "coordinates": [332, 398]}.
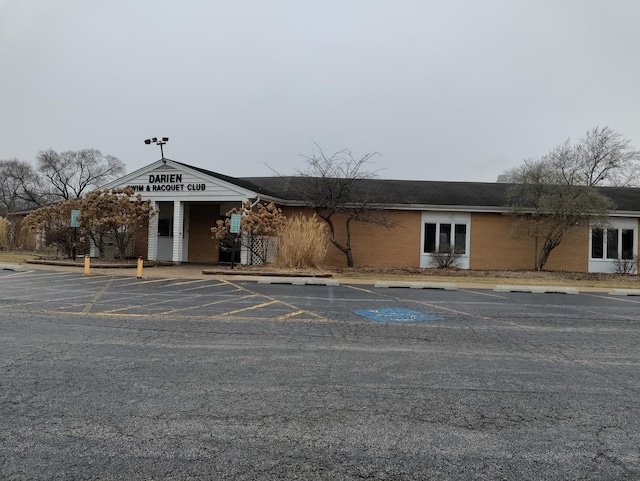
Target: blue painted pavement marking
{"type": "Point", "coordinates": [395, 314]}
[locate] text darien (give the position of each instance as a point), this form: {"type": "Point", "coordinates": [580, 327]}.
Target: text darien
{"type": "Point", "coordinates": [166, 183]}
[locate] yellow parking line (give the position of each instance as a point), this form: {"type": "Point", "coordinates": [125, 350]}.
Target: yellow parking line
{"type": "Point", "coordinates": [166, 301]}
{"type": "Point", "coordinates": [204, 305]}
{"type": "Point", "coordinates": [157, 280]}
{"type": "Point", "coordinates": [96, 298]}
{"type": "Point", "coordinates": [312, 314]}
{"type": "Point", "coordinates": [44, 301]}
{"type": "Point", "coordinates": [200, 287]}
{"type": "Point", "coordinates": [291, 314]}
{"type": "Point", "coordinates": [190, 282]}
{"type": "Point", "coordinates": [154, 303]}
{"type": "Point", "coordinates": [264, 304]}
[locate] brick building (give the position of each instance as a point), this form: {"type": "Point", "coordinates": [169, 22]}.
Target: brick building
{"type": "Point", "coordinates": [425, 214]}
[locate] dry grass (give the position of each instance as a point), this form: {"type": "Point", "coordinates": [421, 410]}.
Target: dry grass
{"type": "Point", "coordinates": [16, 257]}
{"type": "Point", "coordinates": [4, 233]}
{"type": "Point", "coordinates": [302, 243]}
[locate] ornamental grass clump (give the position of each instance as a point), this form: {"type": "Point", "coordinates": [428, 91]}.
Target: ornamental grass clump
{"type": "Point", "coordinates": [4, 233]}
{"type": "Point", "coordinates": [302, 243]}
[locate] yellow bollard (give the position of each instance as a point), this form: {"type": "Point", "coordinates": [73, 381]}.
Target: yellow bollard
{"type": "Point", "coordinates": [87, 265]}
{"type": "Point", "coordinates": [139, 270]}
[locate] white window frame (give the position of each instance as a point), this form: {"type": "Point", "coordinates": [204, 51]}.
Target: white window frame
{"type": "Point", "coordinates": [619, 224]}
{"type": "Point", "coordinates": [440, 218]}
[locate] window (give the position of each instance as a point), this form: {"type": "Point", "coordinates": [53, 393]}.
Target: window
{"type": "Point", "coordinates": [445, 236]}
{"type": "Point", "coordinates": [440, 236]}
{"type": "Point", "coordinates": [627, 243]}
{"type": "Point", "coordinates": [612, 243]}
{"type": "Point", "coordinates": [430, 238]}
{"type": "Point", "coordinates": [597, 244]}
{"type": "Point", "coordinates": [461, 238]}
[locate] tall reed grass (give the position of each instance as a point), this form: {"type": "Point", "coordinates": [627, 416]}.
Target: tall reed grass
{"type": "Point", "coordinates": [302, 243]}
{"type": "Point", "coordinates": [4, 233]}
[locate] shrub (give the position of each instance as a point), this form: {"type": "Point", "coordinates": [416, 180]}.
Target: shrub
{"type": "Point", "coordinates": [445, 257]}
{"type": "Point", "coordinates": [626, 266]}
{"type": "Point", "coordinates": [302, 243]}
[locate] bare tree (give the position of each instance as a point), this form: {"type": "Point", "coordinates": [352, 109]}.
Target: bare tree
{"type": "Point", "coordinates": [72, 173]}
{"type": "Point", "coordinates": [602, 157]}
{"type": "Point", "coordinates": [334, 185]}
{"type": "Point", "coordinates": [554, 195]}
{"type": "Point", "coordinates": [20, 186]}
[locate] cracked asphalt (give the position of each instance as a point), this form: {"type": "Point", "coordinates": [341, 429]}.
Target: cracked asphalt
{"type": "Point", "coordinates": [115, 378]}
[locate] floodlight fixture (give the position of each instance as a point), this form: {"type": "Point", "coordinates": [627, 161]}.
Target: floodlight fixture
{"type": "Point", "coordinates": [158, 142]}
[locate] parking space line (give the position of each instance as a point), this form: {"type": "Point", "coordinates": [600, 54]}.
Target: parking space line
{"type": "Point", "coordinates": [206, 286]}
{"type": "Point", "coordinates": [156, 280]}
{"type": "Point", "coordinates": [355, 288]}
{"type": "Point", "coordinates": [205, 305]}
{"type": "Point", "coordinates": [191, 282]}
{"type": "Point", "coordinates": [16, 274]}
{"type": "Point", "coordinates": [156, 302]}
{"type": "Point", "coordinates": [96, 298]}
{"type": "Point", "coordinates": [625, 318]}
{"type": "Point", "coordinates": [291, 306]}
{"type": "Point", "coordinates": [42, 301]}
{"type": "Point", "coordinates": [289, 315]}
{"type": "Point", "coordinates": [257, 306]}
{"type": "Point", "coordinates": [115, 296]}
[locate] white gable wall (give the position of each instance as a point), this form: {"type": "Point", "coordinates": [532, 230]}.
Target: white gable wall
{"type": "Point", "coordinates": [169, 182]}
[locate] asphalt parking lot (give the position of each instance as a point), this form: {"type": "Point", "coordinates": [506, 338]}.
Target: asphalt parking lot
{"type": "Point", "coordinates": [109, 377]}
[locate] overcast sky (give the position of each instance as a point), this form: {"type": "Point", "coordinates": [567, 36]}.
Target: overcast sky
{"type": "Point", "coordinates": [443, 90]}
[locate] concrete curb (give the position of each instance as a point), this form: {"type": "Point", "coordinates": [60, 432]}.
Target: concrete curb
{"type": "Point", "coordinates": [12, 267]}
{"type": "Point", "coordinates": [94, 265]}
{"type": "Point", "coordinates": [624, 292]}
{"type": "Point", "coordinates": [447, 286]}
{"type": "Point", "coordinates": [240, 272]}
{"type": "Point", "coordinates": [538, 289]}
{"type": "Point", "coordinates": [299, 281]}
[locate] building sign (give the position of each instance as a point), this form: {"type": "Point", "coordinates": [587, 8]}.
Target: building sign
{"type": "Point", "coordinates": [74, 218]}
{"type": "Point", "coordinates": [166, 183]}
{"type": "Point", "coordinates": [235, 223]}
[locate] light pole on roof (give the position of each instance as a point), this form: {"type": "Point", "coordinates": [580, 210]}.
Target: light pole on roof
{"type": "Point", "coordinates": [159, 142]}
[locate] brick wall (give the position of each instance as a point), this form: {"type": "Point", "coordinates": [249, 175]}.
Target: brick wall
{"type": "Point", "coordinates": [495, 246]}
{"type": "Point", "coordinates": [374, 245]}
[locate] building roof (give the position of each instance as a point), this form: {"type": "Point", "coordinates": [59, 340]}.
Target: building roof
{"type": "Point", "coordinates": [491, 196]}
{"type": "Point", "coordinates": [400, 192]}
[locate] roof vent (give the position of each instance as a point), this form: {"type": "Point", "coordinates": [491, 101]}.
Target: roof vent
{"type": "Point", "coordinates": [502, 179]}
